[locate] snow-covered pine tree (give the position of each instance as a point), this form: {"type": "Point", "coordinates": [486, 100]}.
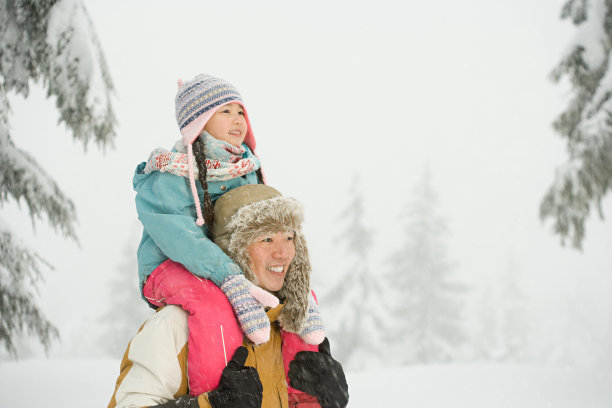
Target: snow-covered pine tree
{"type": "Point", "coordinates": [353, 321]}
{"type": "Point", "coordinates": [125, 310]}
{"type": "Point", "coordinates": [426, 302]}
{"type": "Point", "coordinates": [52, 43]}
{"type": "Point", "coordinates": [586, 125]}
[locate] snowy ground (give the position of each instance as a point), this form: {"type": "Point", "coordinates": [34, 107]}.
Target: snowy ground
{"type": "Point", "coordinates": [79, 383]}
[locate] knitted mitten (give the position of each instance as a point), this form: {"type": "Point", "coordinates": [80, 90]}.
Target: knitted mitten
{"type": "Point", "coordinates": [312, 330]}
{"type": "Point", "coordinates": [248, 302]}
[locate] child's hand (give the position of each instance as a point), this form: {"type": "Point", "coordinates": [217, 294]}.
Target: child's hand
{"type": "Point", "coordinates": [248, 302]}
{"type": "Point", "coordinates": [312, 330]}
{"type": "Point", "coordinates": [262, 296]}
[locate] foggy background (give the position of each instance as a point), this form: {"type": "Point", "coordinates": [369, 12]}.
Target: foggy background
{"type": "Point", "coordinates": [385, 91]}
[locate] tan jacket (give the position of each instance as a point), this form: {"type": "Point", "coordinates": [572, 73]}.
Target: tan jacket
{"type": "Point", "coordinates": [268, 361]}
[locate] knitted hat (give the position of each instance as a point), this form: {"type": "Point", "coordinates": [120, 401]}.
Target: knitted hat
{"type": "Point", "coordinates": [247, 212]}
{"type": "Point", "coordinates": [196, 102]}
{"type": "Point", "coordinates": [198, 99]}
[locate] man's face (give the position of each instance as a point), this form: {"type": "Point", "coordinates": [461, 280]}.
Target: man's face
{"type": "Point", "coordinates": [270, 257]}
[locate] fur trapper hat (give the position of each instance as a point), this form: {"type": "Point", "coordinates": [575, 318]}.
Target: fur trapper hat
{"type": "Point", "coordinates": [247, 212]}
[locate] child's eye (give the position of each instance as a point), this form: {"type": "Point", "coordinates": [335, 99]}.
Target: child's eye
{"type": "Point", "coordinates": [241, 113]}
{"type": "Point", "coordinates": [268, 239]}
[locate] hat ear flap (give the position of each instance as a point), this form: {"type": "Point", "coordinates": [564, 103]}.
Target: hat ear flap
{"type": "Point", "coordinates": [296, 287]}
{"type": "Point", "coordinates": [238, 251]}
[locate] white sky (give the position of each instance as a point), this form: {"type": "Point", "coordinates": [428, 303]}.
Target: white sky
{"type": "Point", "coordinates": [332, 88]}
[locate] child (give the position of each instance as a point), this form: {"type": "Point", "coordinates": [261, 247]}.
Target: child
{"type": "Point", "coordinates": [217, 148]}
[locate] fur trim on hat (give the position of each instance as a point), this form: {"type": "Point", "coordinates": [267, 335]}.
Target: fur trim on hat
{"type": "Point", "coordinates": [268, 217]}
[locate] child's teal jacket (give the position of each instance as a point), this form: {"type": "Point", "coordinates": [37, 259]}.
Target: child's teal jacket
{"type": "Point", "coordinates": [167, 211]}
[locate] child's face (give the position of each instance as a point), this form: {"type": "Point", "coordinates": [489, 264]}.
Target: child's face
{"type": "Point", "coordinates": [228, 124]}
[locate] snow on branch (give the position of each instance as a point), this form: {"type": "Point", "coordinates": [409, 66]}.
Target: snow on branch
{"type": "Point", "coordinates": [22, 178]}
{"type": "Point", "coordinates": [588, 49]}
{"type": "Point", "coordinates": [55, 42]}
{"type": "Point", "coordinates": [580, 184]}
{"type": "Point", "coordinates": [576, 10]}
{"type": "Point", "coordinates": [77, 74]}
{"type": "Point", "coordinates": [586, 124]}
{"type": "Point", "coordinates": [23, 50]}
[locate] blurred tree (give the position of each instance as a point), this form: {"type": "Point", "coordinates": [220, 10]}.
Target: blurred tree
{"type": "Point", "coordinates": [514, 325]}
{"type": "Point", "coordinates": [354, 301]}
{"type": "Point", "coordinates": [53, 43]}
{"type": "Point", "coordinates": [125, 311]}
{"type": "Point", "coordinates": [427, 304]}
{"type": "Point", "coordinates": [503, 330]}
{"type": "Point", "coordinates": [570, 335]}
{"type": "Point", "coordinates": [586, 125]}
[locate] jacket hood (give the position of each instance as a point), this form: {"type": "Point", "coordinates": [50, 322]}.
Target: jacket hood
{"type": "Point", "coordinates": [245, 213]}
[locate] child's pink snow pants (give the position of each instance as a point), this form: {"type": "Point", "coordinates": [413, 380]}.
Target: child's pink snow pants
{"type": "Point", "coordinates": [172, 284]}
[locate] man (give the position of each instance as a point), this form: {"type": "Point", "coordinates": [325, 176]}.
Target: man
{"type": "Point", "coordinates": [261, 231]}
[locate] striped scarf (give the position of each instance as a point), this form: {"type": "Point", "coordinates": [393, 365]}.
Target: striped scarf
{"type": "Point", "coordinates": [224, 161]}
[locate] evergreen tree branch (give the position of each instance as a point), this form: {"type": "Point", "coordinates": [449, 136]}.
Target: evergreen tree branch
{"type": "Point", "coordinates": [22, 178]}
{"type": "Point", "coordinates": [576, 10]}
{"type": "Point", "coordinates": [54, 41]}
{"type": "Point", "coordinates": [50, 42]}
{"type": "Point", "coordinates": [19, 276]}
{"type": "Point", "coordinates": [581, 184]}
{"type": "Point", "coordinates": [78, 76]}
{"type": "Point", "coordinates": [23, 50]}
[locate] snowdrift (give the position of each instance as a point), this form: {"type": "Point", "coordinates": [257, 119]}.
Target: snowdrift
{"type": "Point", "coordinates": [78, 383]}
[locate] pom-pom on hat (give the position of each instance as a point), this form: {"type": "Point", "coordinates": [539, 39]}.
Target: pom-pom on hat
{"type": "Point", "coordinates": [196, 102]}
{"type": "Point", "coordinates": [198, 99]}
